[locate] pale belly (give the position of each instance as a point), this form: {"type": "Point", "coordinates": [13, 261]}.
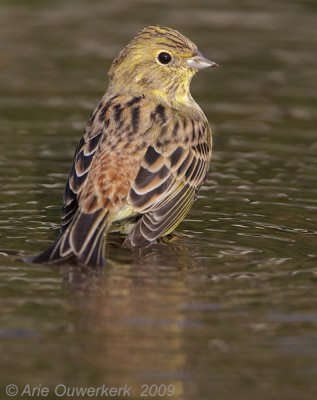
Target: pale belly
{"type": "Point", "coordinates": [124, 220]}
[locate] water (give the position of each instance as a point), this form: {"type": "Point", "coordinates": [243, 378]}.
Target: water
{"type": "Point", "coordinates": [227, 308]}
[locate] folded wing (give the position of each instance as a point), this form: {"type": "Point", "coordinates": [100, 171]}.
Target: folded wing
{"type": "Point", "coordinates": [168, 181]}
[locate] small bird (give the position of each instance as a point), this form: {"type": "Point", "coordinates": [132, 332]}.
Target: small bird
{"type": "Point", "coordinates": [144, 154]}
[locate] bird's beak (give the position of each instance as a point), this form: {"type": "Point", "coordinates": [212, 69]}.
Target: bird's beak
{"type": "Point", "coordinates": [200, 61]}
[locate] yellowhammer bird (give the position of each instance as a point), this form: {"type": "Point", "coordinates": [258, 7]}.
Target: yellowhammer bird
{"type": "Point", "coordinates": [144, 154]}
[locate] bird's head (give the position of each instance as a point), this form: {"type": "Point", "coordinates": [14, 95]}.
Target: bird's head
{"type": "Point", "coordinates": [158, 62]}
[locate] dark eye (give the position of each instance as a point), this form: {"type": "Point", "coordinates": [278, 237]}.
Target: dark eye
{"type": "Point", "coordinates": [164, 58]}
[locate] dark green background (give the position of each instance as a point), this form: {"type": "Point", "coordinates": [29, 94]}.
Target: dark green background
{"type": "Point", "coordinates": [227, 309]}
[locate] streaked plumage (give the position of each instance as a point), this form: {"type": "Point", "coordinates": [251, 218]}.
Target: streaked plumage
{"type": "Point", "coordinates": [144, 154]}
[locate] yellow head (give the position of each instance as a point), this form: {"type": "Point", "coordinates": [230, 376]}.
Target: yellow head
{"type": "Point", "coordinates": [158, 62]}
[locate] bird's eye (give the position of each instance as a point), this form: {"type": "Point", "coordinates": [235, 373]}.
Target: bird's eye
{"type": "Point", "coordinates": [164, 58]}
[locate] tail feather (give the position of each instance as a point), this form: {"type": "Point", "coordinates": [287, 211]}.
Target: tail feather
{"type": "Point", "coordinates": [83, 240]}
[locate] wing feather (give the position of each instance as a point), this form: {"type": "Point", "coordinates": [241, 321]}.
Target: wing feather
{"type": "Point", "coordinates": [77, 177]}
{"type": "Point", "coordinates": [83, 158]}
{"type": "Point", "coordinates": [136, 155]}
{"type": "Point", "coordinates": [168, 181]}
{"type": "Point", "coordinates": [173, 166]}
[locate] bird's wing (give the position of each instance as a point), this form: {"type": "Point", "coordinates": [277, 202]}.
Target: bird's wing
{"type": "Point", "coordinates": [172, 171]}
{"type": "Point", "coordinates": [145, 154]}
{"type": "Point", "coordinates": [97, 128]}
{"type": "Point", "coordinates": [77, 177]}
{"type": "Point", "coordinates": [108, 156]}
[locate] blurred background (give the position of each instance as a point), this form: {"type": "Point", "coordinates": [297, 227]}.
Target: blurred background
{"type": "Point", "coordinates": [227, 308]}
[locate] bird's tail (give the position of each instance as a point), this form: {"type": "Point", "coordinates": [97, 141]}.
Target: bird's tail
{"type": "Point", "coordinates": [83, 240]}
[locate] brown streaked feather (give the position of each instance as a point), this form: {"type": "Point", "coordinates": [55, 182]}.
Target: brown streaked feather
{"type": "Point", "coordinates": [98, 128]}
{"type": "Point", "coordinates": [95, 130]}
{"type": "Point", "coordinates": [136, 172]}
{"type": "Point", "coordinates": [131, 153]}
{"type": "Point", "coordinates": [168, 180]}
{"type": "Point", "coordinates": [162, 220]}
{"type": "Point", "coordinates": [83, 239]}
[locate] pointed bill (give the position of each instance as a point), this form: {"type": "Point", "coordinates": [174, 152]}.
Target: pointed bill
{"type": "Point", "coordinates": [200, 61]}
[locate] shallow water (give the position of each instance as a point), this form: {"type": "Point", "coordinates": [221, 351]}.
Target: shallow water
{"type": "Point", "coordinates": [227, 308]}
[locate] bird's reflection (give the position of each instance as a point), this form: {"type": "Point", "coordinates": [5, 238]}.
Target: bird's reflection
{"type": "Point", "coordinates": [131, 312]}
{"type": "Point", "coordinates": [169, 255]}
